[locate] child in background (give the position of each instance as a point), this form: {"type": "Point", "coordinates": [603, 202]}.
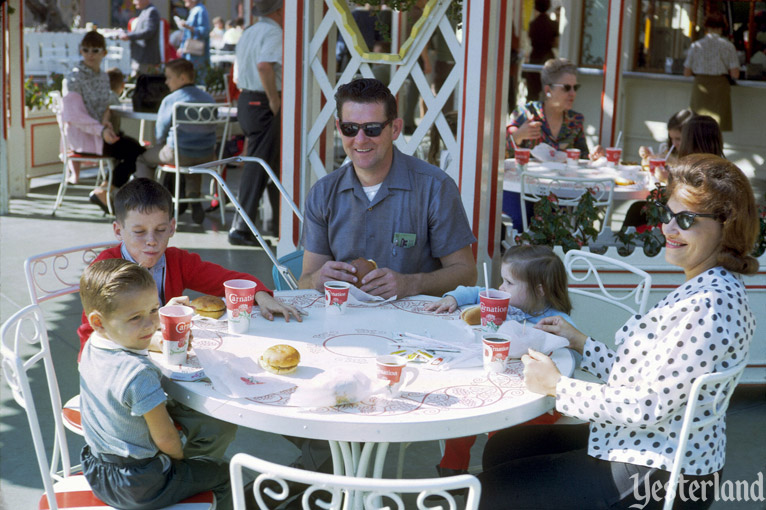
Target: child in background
{"type": "Point", "coordinates": [675, 126]}
{"type": "Point", "coordinates": [701, 135]}
{"type": "Point", "coordinates": [133, 457]}
{"type": "Point", "coordinates": [536, 279]}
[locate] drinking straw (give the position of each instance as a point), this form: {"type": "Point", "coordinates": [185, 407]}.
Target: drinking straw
{"type": "Point", "coordinates": [486, 280]}
{"type": "Point", "coordinates": [523, 326]}
{"type": "Point", "coordinates": [619, 139]}
{"type": "Point", "coordinates": [670, 150]}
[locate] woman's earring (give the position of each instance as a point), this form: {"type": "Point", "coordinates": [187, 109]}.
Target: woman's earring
{"type": "Point", "coordinates": [548, 94]}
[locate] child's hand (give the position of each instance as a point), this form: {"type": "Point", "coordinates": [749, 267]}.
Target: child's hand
{"type": "Point", "coordinates": [180, 300]}
{"type": "Point", "coordinates": [270, 306]}
{"type": "Point", "coordinates": [447, 304]}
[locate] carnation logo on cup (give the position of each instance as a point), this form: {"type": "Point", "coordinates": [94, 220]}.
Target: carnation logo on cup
{"type": "Point", "coordinates": [391, 368]}
{"type": "Point", "coordinates": [573, 157]}
{"type": "Point", "coordinates": [336, 296]}
{"type": "Point", "coordinates": [655, 163]}
{"type": "Point", "coordinates": [175, 323]}
{"type": "Point", "coordinates": [240, 295]}
{"type": "Point", "coordinates": [613, 155]}
{"type": "Point", "coordinates": [494, 308]}
{"type": "Point", "coordinates": [495, 351]}
{"type": "Point", "coordinates": [521, 155]}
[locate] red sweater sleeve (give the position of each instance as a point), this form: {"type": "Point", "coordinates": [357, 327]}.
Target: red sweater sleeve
{"type": "Point", "coordinates": [186, 270]}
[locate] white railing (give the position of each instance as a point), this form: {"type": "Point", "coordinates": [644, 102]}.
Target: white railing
{"type": "Point", "coordinates": [58, 52]}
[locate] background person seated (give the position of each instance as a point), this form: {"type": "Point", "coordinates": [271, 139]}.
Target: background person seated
{"type": "Point", "coordinates": [194, 147]}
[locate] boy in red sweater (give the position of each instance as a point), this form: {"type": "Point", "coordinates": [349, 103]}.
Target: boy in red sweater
{"type": "Point", "coordinates": [144, 223]}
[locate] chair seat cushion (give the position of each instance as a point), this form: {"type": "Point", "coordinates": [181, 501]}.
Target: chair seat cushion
{"type": "Point", "coordinates": [71, 414]}
{"type": "Point", "coordinates": [74, 493]}
{"type": "Point", "coordinates": [90, 157]}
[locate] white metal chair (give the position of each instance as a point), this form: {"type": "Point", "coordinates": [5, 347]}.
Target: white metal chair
{"type": "Point", "coordinates": [198, 117]}
{"type": "Point", "coordinates": [708, 401]}
{"type": "Point", "coordinates": [332, 490]}
{"type": "Point", "coordinates": [54, 274]}
{"type": "Point", "coordinates": [24, 347]}
{"type": "Point", "coordinates": [67, 156]}
{"type": "Point", "coordinates": [584, 279]}
{"type": "Point", "coordinates": [535, 187]}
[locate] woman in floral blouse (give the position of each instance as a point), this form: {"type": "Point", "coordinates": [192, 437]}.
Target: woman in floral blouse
{"type": "Point", "coordinates": [635, 416]}
{"type": "Point", "coordinates": [551, 121]}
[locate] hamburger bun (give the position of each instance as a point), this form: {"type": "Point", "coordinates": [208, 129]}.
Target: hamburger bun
{"type": "Point", "coordinates": [472, 316]}
{"type": "Point", "coordinates": [280, 359]}
{"type": "Point", "coordinates": [363, 266]}
{"type": "Point", "coordinates": [209, 306]}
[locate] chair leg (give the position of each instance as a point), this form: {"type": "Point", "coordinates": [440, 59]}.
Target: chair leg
{"type": "Point", "coordinates": [177, 195]}
{"type": "Point", "coordinates": [108, 184]}
{"type": "Point", "coordinates": [222, 204]}
{"type": "Point", "coordinates": [62, 190]}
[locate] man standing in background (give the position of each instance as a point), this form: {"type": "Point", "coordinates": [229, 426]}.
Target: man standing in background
{"type": "Point", "coordinates": [144, 39]}
{"type": "Point", "coordinates": [258, 74]}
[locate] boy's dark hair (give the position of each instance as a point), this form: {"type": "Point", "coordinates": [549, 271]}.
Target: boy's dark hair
{"type": "Point", "coordinates": [93, 39]}
{"type": "Point", "coordinates": [539, 267]}
{"type": "Point", "coordinates": [116, 78]}
{"type": "Point", "coordinates": [142, 195]}
{"type": "Point", "coordinates": [181, 66]}
{"type": "Point", "coordinates": [542, 5]}
{"type": "Point", "coordinates": [239, 22]}
{"type": "Point", "coordinates": [366, 90]}
{"type": "Point", "coordinates": [103, 281]}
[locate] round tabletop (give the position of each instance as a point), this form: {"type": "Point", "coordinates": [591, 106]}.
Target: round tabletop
{"type": "Point", "coordinates": [643, 181]}
{"type": "Point", "coordinates": [438, 404]}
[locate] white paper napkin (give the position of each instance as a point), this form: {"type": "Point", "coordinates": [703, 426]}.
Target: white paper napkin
{"type": "Point", "coordinates": [544, 152]}
{"type": "Point", "coordinates": [239, 377]}
{"type": "Point", "coordinates": [527, 336]}
{"type": "Point", "coordinates": [357, 296]}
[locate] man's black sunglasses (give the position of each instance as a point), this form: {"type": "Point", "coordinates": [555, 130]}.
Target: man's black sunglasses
{"type": "Point", "coordinates": [567, 87]}
{"type": "Point", "coordinates": [684, 219]}
{"type": "Point", "coordinates": [371, 129]}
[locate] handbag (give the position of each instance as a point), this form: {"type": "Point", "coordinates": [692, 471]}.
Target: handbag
{"type": "Point", "coordinates": [194, 47]}
{"type": "Point", "coordinates": [149, 93]}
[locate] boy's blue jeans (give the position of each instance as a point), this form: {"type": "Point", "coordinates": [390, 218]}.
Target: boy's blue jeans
{"type": "Point", "coordinates": [156, 482]}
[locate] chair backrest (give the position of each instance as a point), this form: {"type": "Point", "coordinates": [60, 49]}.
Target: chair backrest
{"type": "Point", "coordinates": [708, 401]}
{"type": "Point", "coordinates": [25, 346]}
{"type": "Point", "coordinates": [536, 187]}
{"type": "Point", "coordinates": [293, 262]}
{"type": "Point", "coordinates": [584, 279]}
{"type": "Point", "coordinates": [333, 489]}
{"type": "Point", "coordinates": [57, 273]}
{"type": "Point", "coordinates": [199, 117]}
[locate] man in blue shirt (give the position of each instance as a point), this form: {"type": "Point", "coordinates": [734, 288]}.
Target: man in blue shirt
{"type": "Point", "coordinates": [384, 205]}
{"type": "Point", "coordinates": [195, 146]}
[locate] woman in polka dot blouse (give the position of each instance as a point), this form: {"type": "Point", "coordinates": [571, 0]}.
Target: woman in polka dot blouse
{"type": "Point", "coordinates": [634, 417]}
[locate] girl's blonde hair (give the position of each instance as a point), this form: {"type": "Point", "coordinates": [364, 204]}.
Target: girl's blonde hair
{"type": "Point", "coordinates": [540, 268]}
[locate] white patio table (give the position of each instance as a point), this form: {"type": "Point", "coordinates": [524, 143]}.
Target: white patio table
{"type": "Point", "coordinates": [437, 405]}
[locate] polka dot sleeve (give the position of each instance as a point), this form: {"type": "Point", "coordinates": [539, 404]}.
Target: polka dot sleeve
{"type": "Point", "coordinates": [657, 359]}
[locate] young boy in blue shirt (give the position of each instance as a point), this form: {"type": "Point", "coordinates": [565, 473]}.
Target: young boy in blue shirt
{"type": "Point", "coordinates": [134, 456]}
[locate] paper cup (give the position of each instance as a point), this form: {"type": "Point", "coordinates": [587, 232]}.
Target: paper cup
{"type": "Point", "coordinates": [175, 323]}
{"type": "Point", "coordinates": [614, 155]}
{"type": "Point", "coordinates": [573, 157]}
{"type": "Point", "coordinates": [336, 296]}
{"type": "Point", "coordinates": [391, 368]}
{"type": "Point", "coordinates": [494, 308]}
{"type": "Point", "coordinates": [655, 163]}
{"type": "Point", "coordinates": [240, 295]}
{"type": "Point", "coordinates": [522, 156]}
{"type": "Point", "coordinates": [495, 350]}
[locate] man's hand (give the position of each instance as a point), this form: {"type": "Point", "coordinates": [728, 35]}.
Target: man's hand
{"type": "Point", "coordinates": [275, 105]}
{"type": "Point", "coordinates": [385, 282]}
{"type": "Point", "coordinates": [329, 271]}
{"type": "Point", "coordinates": [270, 306]}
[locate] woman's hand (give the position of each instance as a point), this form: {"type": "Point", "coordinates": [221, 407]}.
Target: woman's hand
{"type": "Point", "coordinates": [557, 325]}
{"type": "Point", "coordinates": [540, 373]}
{"type": "Point", "coordinates": [270, 306]}
{"type": "Point", "coordinates": [109, 135]}
{"type": "Point", "coordinates": [446, 304]}
{"type": "Point", "coordinates": [597, 152]}
{"type": "Point", "coordinates": [530, 130]}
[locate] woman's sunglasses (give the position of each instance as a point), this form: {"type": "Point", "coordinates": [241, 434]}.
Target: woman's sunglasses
{"type": "Point", "coordinates": [371, 129]}
{"type": "Point", "coordinates": [91, 50]}
{"type": "Point", "coordinates": [684, 219]}
{"type": "Point", "coordinates": [567, 87]}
